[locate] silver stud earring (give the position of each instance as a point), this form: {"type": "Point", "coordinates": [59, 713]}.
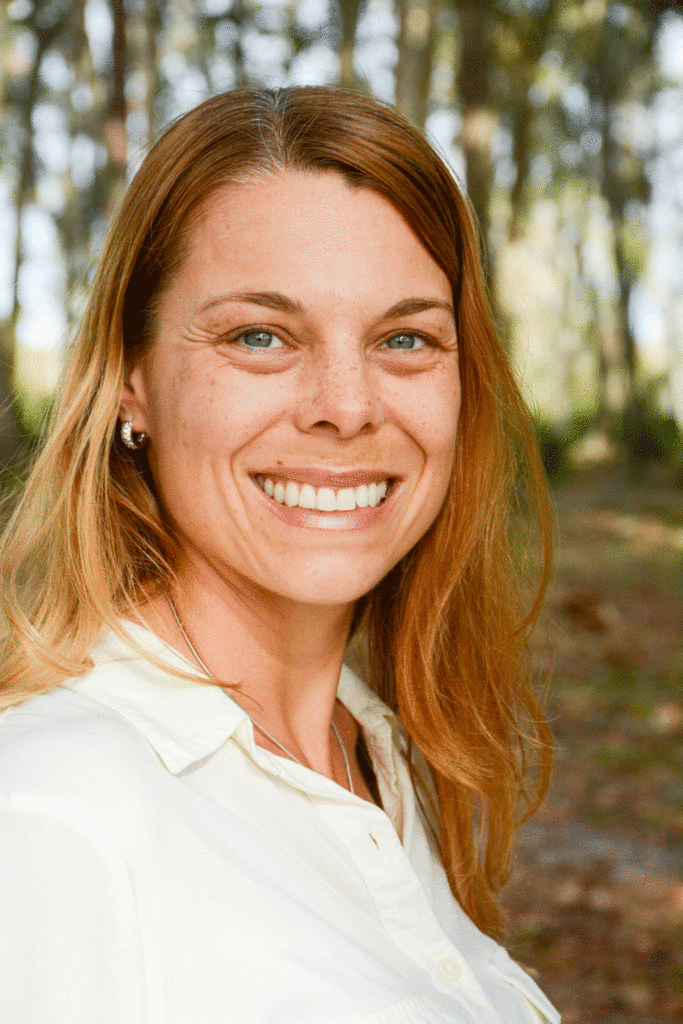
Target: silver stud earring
{"type": "Point", "coordinates": [127, 436]}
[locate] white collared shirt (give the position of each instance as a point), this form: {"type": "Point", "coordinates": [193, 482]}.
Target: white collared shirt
{"type": "Point", "coordinates": [158, 867]}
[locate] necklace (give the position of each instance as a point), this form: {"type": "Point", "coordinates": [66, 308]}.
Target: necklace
{"type": "Point", "coordinates": [257, 724]}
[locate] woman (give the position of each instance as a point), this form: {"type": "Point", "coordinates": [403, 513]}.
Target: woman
{"type": "Point", "coordinates": [286, 423]}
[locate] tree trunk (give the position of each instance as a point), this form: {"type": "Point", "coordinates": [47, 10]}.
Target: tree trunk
{"type": "Point", "coordinates": [416, 41]}
{"type": "Point", "coordinates": [10, 437]}
{"type": "Point", "coordinates": [633, 412]}
{"type": "Point", "coordinates": [476, 106]}
{"type": "Point", "coordinates": [533, 33]}
{"type": "Point", "coordinates": [617, 193]}
{"type": "Point", "coordinates": [349, 11]}
{"type": "Point", "coordinates": [151, 18]}
{"type": "Point", "coordinates": [74, 222]}
{"type": "Point", "coordinates": [238, 14]}
{"type": "Point", "coordinates": [115, 138]}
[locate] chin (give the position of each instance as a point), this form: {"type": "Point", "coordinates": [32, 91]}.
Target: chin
{"type": "Point", "coordinates": [327, 588]}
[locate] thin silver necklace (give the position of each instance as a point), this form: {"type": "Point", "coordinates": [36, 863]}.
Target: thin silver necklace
{"type": "Point", "coordinates": [257, 724]}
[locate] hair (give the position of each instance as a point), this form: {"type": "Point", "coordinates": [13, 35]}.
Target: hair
{"type": "Point", "coordinates": [445, 632]}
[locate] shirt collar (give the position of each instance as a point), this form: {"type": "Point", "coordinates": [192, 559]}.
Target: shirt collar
{"type": "Point", "coordinates": [185, 720]}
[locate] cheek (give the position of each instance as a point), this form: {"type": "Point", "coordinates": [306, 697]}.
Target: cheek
{"type": "Point", "coordinates": [212, 414]}
{"type": "Point", "coordinates": [433, 413]}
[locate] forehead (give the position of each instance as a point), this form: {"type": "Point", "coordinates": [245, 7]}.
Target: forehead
{"type": "Point", "coordinates": [302, 228]}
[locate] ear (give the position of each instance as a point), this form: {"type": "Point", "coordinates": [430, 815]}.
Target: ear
{"type": "Point", "coordinates": [133, 405]}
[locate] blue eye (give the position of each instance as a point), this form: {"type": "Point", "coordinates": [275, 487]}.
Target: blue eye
{"type": "Point", "coordinates": [404, 342]}
{"type": "Point", "coordinates": [259, 339]}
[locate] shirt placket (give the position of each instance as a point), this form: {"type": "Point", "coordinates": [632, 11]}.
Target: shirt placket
{"type": "Point", "coordinates": [402, 905]}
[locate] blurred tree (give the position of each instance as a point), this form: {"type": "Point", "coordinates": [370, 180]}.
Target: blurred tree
{"type": "Point", "coordinates": [115, 136]}
{"type": "Point", "coordinates": [44, 24]}
{"type": "Point", "coordinates": [523, 35]}
{"type": "Point", "coordinates": [152, 25]}
{"type": "Point", "coordinates": [349, 11]}
{"type": "Point", "coordinates": [539, 84]}
{"type": "Point", "coordinates": [502, 43]}
{"type": "Point", "coordinates": [72, 219]}
{"type": "Point", "coordinates": [476, 22]}
{"type": "Point", "coordinates": [610, 47]}
{"type": "Point", "coordinates": [543, 57]}
{"type": "Point", "coordinates": [417, 33]}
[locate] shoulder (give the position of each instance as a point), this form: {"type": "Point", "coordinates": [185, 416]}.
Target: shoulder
{"type": "Point", "coordinates": [62, 741]}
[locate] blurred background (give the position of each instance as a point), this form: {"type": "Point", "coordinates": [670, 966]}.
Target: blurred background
{"type": "Point", "coordinates": [564, 122]}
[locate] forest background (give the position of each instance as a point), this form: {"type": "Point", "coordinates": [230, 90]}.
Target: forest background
{"type": "Point", "coordinates": [564, 121]}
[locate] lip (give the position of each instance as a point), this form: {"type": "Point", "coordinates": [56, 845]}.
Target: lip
{"type": "Point", "coordinates": [336, 479]}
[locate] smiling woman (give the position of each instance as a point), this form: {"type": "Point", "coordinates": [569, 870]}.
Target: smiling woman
{"type": "Point", "coordinates": [286, 424]}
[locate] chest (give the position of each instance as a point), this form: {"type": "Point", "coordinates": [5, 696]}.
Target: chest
{"type": "Point", "coordinates": [264, 904]}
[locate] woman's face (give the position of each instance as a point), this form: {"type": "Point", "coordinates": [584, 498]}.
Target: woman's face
{"type": "Point", "coordinates": [308, 340]}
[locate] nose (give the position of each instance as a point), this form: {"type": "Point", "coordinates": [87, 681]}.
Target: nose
{"type": "Point", "coordinates": [339, 393]}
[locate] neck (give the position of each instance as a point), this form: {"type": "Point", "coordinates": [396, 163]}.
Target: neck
{"type": "Point", "coordinates": [284, 658]}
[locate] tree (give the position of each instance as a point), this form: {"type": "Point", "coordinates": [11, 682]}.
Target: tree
{"type": "Point", "coordinates": [349, 11]}
{"type": "Point", "coordinates": [45, 23]}
{"type": "Point", "coordinates": [418, 26]}
{"type": "Point", "coordinates": [522, 37]}
{"type": "Point", "coordinates": [613, 56]}
{"type": "Point", "coordinates": [475, 97]}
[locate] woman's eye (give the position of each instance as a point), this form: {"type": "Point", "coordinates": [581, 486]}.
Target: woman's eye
{"type": "Point", "coordinates": [406, 342]}
{"type": "Point", "coordinates": [260, 339]}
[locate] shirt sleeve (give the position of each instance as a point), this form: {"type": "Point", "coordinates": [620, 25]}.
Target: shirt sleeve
{"type": "Point", "coordinates": [70, 943]}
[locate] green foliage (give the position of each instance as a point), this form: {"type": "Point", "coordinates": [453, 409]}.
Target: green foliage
{"type": "Point", "coordinates": [556, 442]}
{"type": "Point", "coordinates": [535, 936]}
{"type": "Point", "coordinates": [677, 978]}
{"type": "Point", "coordinates": [619, 757]}
{"type": "Point", "coordinates": [649, 436]}
{"type": "Point", "coordinates": [32, 417]}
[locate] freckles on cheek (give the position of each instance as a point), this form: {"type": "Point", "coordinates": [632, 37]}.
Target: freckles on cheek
{"type": "Point", "coordinates": [434, 410]}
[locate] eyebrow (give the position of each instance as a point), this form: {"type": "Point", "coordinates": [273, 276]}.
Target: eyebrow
{"type": "Point", "coordinates": [409, 306]}
{"type": "Point", "coordinates": [275, 300]}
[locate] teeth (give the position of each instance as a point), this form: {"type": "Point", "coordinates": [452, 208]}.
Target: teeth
{"type": "Point", "coordinates": [325, 499]}
{"type": "Point", "coordinates": [362, 498]}
{"type": "Point", "coordinates": [291, 493]}
{"type": "Point", "coordinates": [307, 496]}
{"type": "Point", "coordinates": [346, 499]}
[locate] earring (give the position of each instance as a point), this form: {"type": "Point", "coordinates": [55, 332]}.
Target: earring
{"type": "Point", "coordinates": [127, 436]}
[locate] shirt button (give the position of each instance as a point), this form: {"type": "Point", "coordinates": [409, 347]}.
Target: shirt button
{"type": "Point", "coordinates": [449, 968]}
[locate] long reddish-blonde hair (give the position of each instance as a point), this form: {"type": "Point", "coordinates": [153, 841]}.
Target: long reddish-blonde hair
{"type": "Point", "coordinates": [444, 634]}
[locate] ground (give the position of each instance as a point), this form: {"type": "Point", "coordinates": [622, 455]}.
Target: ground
{"type": "Point", "coordinates": [595, 903]}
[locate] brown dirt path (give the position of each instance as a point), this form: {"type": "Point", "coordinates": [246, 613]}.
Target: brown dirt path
{"type": "Point", "coordinates": [596, 900]}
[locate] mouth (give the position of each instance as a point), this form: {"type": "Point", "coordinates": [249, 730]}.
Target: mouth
{"type": "Point", "coordinates": [325, 499]}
